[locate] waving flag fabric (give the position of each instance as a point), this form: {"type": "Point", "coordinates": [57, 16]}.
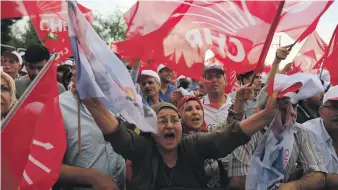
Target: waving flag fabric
{"type": "Point", "coordinates": [33, 141]}
{"type": "Point", "coordinates": [310, 55]}
{"type": "Point", "coordinates": [222, 26]}
{"type": "Point", "coordinates": [49, 23]}
{"type": "Point", "coordinates": [234, 30]}
{"type": "Point", "coordinates": [331, 58]}
{"type": "Point", "coordinates": [100, 74]}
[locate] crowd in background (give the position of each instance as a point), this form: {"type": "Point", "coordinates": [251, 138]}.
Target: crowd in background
{"type": "Point", "coordinates": [206, 137]}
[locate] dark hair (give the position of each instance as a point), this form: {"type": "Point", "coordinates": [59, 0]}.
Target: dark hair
{"type": "Point", "coordinates": [63, 68]}
{"type": "Point", "coordinates": [246, 75]}
{"type": "Point", "coordinates": [36, 53]}
{"type": "Point", "coordinates": [184, 83]}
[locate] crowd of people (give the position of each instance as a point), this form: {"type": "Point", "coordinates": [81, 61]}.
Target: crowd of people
{"type": "Point", "coordinates": [206, 139]}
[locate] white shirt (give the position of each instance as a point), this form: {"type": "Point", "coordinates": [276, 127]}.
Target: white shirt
{"type": "Point", "coordinates": [215, 117]}
{"type": "Point", "coordinates": [323, 143]}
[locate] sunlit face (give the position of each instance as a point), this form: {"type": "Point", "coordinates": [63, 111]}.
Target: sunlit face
{"type": "Point", "coordinates": [217, 84]}
{"type": "Point", "coordinates": [166, 75]}
{"type": "Point", "coordinates": [329, 114]}
{"type": "Point", "coordinates": [34, 69]}
{"type": "Point", "coordinates": [5, 97]}
{"type": "Point", "coordinates": [169, 129]}
{"type": "Point", "coordinates": [192, 114]}
{"type": "Point", "coordinates": [149, 86]}
{"type": "Point", "coordinates": [10, 66]}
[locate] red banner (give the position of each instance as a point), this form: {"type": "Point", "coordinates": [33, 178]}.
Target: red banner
{"type": "Point", "coordinates": [331, 58]}
{"type": "Point", "coordinates": [235, 30]}
{"type": "Point", "coordinates": [50, 22]}
{"type": "Point", "coordinates": [33, 141]}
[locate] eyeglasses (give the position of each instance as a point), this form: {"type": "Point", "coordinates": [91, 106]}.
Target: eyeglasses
{"type": "Point", "coordinates": [166, 121]}
{"type": "Point", "coordinates": [330, 106]}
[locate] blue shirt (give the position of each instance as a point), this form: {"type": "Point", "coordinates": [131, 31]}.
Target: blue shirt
{"type": "Point", "coordinates": [166, 96]}
{"type": "Point", "coordinates": [324, 143]}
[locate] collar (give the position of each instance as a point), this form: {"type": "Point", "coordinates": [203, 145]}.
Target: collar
{"type": "Point", "coordinates": [206, 100]}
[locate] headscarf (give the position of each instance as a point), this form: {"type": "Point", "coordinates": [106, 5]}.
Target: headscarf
{"type": "Point", "coordinates": [12, 89]}
{"type": "Point", "coordinates": [187, 129]}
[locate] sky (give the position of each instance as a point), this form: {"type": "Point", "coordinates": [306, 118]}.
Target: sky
{"type": "Point", "coordinates": [325, 27]}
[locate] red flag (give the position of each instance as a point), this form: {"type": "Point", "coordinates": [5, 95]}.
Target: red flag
{"type": "Point", "coordinates": [33, 141]}
{"type": "Point", "coordinates": [331, 58]}
{"type": "Point", "coordinates": [310, 55]}
{"type": "Point", "coordinates": [298, 19]}
{"type": "Point", "coordinates": [230, 28]}
{"type": "Point", "coordinates": [205, 25]}
{"type": "Point", "coordinates": [50, 22]}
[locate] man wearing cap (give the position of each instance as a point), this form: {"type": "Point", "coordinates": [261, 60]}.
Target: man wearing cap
{"type": "Point", "coordinates": [302, 153]}
{"type": "Point", "coordinates": [150, 87]}
{"type": "Point", "coordinates": [36, 57]}
{"type": "Point", "coordinates": [216, 104]}
{"type": "Point", "coordinates": [325, 133]}
{"type": "Point", "coordinates": [166, 89]}
{"type": "Point", "coordinates": [11, 63]}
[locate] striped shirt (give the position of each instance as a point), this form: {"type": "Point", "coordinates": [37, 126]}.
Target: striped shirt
{"type": "Point", "coordinates": [303, 152]}
{"type": "Point", "coordinates": [96, 152]}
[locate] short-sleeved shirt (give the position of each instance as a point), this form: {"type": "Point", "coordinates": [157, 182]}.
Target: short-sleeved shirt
{"type": "Point", "coordinates": [96, 153]}
{"type": "Point", "coordinates": [215, 117]}
{"type": "Point", "coordinates": [303, 151]}
{"type": "Point", "coordinates": [166, 96]}
{"type": "Point", "coordinates": [324, 143]}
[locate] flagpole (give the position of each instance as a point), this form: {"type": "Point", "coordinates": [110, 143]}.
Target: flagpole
{"type": "Point", "coordinates": [269, 39]}
{"type": "Point", "coordinates": [27, 92]}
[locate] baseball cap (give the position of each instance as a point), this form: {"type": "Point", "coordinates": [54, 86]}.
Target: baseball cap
{"type": "Point", "coordinates": [298, 86]}
{"type": "Point", "coordinates": [151, 74]}
{"type": "Point", "coordinates": [214, 66]}
{"type": "Point", "coordinates": [159, 106]}
{"type": "Point", "coordinates": [331, 94]}
{"type": "Point", "coordinates": [160, 67]}
{"type": "Point", "coordinates": [15, 55]}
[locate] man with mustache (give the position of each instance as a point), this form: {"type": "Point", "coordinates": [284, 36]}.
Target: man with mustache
{"type": "Point", "coordinates": [36, 57]}
{"type": "Point", "coordinates": [216, 103]}
{"type": "Point", "coordinates": [325, 132]}
{"type": "Point", "coordinates": [302, 151]}
{"type": "Point", "coordinates": [11, 63]}
{"type": "Point", "coordinates": [150, 87]}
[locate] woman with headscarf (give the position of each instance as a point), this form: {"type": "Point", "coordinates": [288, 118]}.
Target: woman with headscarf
{"type": "Point", "coordinates": [8, 98]}
{"type": "Point", "coordinates": [166, 160]}
{"type": "Point", "coordinates": [191, 111]}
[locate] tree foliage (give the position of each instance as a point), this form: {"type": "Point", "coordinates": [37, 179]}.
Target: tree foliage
{"type": "Point", "coordinates": [110, 28]}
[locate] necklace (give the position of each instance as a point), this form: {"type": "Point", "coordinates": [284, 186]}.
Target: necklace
{"type": "Point", "coordinates": [171, 177]}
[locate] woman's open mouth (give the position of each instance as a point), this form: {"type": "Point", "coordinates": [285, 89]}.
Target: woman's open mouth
{"type": "Point", "coordinates": [169, 136]}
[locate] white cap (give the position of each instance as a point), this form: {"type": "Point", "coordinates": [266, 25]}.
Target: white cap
{"type": "Point", "coordinates": [181, 77]}
{"type": "Point", "coordinates": [325, 77]}
{"type": "Point", "coordinates": [151, 74]}
{"type": "Point", "coordinates": [68, 62]}
{"type": "Point", "coordinates": [331, 94]}
{"type": "Point", "coordinates": [160, 67]}
{"type": "Point", "coordinates": [310, 85]}
{"type": "Point", "coordinates": [18, 55]}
